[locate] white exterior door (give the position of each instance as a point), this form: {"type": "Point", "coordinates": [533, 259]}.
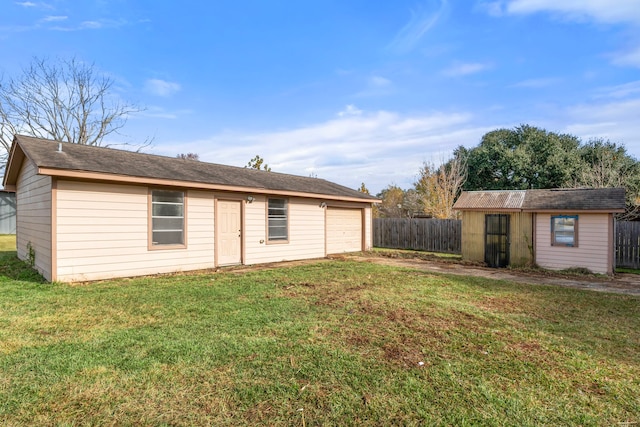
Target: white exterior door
{"type": "Point", "coordinates": [230, 232]}
{"type": "Point", "coordinates": [344, 230]}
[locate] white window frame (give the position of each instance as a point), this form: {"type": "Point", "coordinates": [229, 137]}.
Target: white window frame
{"type": "Point", "coordinates": [152, 245]}
{"type": "Point", "coordinates": [272, 216]}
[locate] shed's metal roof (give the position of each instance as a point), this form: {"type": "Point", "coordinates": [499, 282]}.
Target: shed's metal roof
{"type": "Point", "coordinates": [503, 200]}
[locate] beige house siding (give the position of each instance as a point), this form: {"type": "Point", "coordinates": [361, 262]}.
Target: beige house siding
{"type": "Point", "coordinates": [368, 228]}
{"type": "Point", "coordinates": [594, 244]}
{"type": "Point", "coordinates": [306, 232]}
{"type": "Point", "coordinates": [33, 221]}
{"type": "Point", "coordinates": [102, 232]}
{"type": "Point", "coordinates": [520, 229]}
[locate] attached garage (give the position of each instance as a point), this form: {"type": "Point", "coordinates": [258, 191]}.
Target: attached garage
{"type": "Point", "coordinates": [344, 230]}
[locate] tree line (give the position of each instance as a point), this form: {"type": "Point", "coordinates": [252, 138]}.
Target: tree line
{"type": "Point", "coordinates": [525, 157]}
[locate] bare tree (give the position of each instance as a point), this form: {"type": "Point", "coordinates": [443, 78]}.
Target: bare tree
{"type": "Point", "coordinates": [440, 186]}
{"type": "Point", "coordinates": [64, 100]}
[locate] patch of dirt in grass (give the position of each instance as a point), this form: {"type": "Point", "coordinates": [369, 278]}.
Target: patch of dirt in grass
{"type": "Point", "coordinates": [404, 354]}
{"type": "Point", "coordinates": [501, 304]}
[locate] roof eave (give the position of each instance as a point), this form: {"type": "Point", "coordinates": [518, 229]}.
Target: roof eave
{"type": "Point", "coordinates": [129, 179]}
{"type": "Point", "coordinates": [16, 157]}
{"type": "Point", "coordinates": [485, 209]}
{"type": "Point", "coordinates": [575, 210]}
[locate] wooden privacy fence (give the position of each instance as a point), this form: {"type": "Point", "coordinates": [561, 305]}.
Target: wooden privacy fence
{"type": "Point", "coordinates": [424, 234]}
{"type": "Point", "coordinates": [628, 244]}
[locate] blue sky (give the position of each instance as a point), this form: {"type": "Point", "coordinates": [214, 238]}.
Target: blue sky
{"type": "Point", "coordinates": [351, 90]}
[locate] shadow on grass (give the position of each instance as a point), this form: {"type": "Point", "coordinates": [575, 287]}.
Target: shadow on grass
{"type": "Point", "coordinates": [11, 268]}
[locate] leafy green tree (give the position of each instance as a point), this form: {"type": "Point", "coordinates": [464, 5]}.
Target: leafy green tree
{"type": "Point", "coordinates": [258, 163]}
{"type": "Point", "coordinates": [521, 158]}
{"type": "Point", "coordinates": [392, 198]}
{"type": "Point", "coordinates": [363, 189]}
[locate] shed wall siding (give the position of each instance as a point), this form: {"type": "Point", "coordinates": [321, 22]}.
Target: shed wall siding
{"type": "Point", "coordinates": [306, 232]}
{"type": "Point", "coordinates": [33, 221]}
{"type": "Point", "coordinates": [102, 232]}
{"type": "Point", "coordinates": [593, 250]}
{"type": "Point", "coordinates": [520, 228]}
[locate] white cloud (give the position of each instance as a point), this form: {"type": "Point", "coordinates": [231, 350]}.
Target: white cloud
{"type": "Point", "coordinates": [617, 121]}
{"type": "Point", "coordinates": [537, 83]}
{"type": "Point", "coordinates": [493, 8]}
{"type": "Point", "coordinates": [420, 23]}
{"type": "Point", "coordinates": [162, 113]}
{"type": "Point", "coordinates": [350, 110]}
{"type": "Point", "coordinates": [619, 91]}
{"type": "Point", "coordinates": [628, 58]}
{"type": "Point", "coordinates": [54, 18]}
{"type": "Point", "coordinates": [161, 87]}
{"type": "Point", "coordinates": [604, 11]}
{"type": "Point", "coordinates": [26, 4]}
{"type": "Point", "coordinates": [465, 69]}
{"type": "Point", "coordinates": [377, 148]}
{"type": "Point", "coordinates": [379, 81]}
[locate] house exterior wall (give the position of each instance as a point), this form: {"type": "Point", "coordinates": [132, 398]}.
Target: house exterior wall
{"type": "Point", "coordinates": [595, 244]}
{"type": "Point", "coordinates": [33, 220]}
{"type": "Point", "coordinates": [368, 228]}
{"type": "Point", "coordinates": [102, 232]}
{"type": "Point", "coordinates": [520, 236]}
{"type": "Point", "coordinates": [306, 232]}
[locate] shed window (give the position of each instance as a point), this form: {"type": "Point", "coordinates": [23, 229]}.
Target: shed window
{"type": "Point", "coordinates": [278, 220]}
{"type": "Point", "coordinates": [167, 217]}
{"type": "Point", "coordinates": [564, 230]}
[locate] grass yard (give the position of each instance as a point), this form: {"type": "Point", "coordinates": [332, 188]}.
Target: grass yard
{"type": "Point", "coordinates": [328, 343]}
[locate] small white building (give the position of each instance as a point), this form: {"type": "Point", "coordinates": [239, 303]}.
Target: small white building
{"type": "Point", "coordinates": [89, 213]}
{"type": "Point", "coordinates": [555, 229]}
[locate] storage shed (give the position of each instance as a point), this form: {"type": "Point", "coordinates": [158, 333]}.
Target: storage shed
{"type": "Point", "coordinates": [555, 229]}
{"type": "Point", "coordinates": [88, 213]}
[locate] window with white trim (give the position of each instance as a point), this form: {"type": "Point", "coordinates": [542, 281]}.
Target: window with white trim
{"type": "Point", "coordinates": [564, 230]}
{"type": "Point", "coordinates": [167, 217]}
{"type": "Point", "coordinates": [277, 216]}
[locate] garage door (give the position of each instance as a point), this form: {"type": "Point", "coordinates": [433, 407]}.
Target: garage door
{"type": "Point", "coordinates": [344, 230]}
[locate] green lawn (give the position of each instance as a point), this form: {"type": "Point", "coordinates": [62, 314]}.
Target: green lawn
{"type": "Point", "coordinates": [329, 343]}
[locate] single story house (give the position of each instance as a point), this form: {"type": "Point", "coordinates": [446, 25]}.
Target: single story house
{"type": "Point", "coordinates": [88, 213]}
{"type": "Point", "coordinates": [555, 229]}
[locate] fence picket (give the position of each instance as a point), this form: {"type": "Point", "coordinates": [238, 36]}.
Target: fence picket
{"type": "Point", "coordinates": [425, 234]}
{"type": "Point", "coordinates": [627, 235]}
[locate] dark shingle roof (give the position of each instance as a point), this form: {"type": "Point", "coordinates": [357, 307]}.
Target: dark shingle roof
{"type": "Point", "coordinates": [578, 199]}
{"type": "Point", "coordinates": [82, 158]}
{"type": "Point", "coordinates": [562, 199]}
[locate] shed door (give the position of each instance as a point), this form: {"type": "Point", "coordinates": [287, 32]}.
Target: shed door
{"type": "Point", "coordinates": [496, 242]}
{"type": "Point", "coordinates": [230, 238]}
{"type": "Point", "coordinates": [344, 230]}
